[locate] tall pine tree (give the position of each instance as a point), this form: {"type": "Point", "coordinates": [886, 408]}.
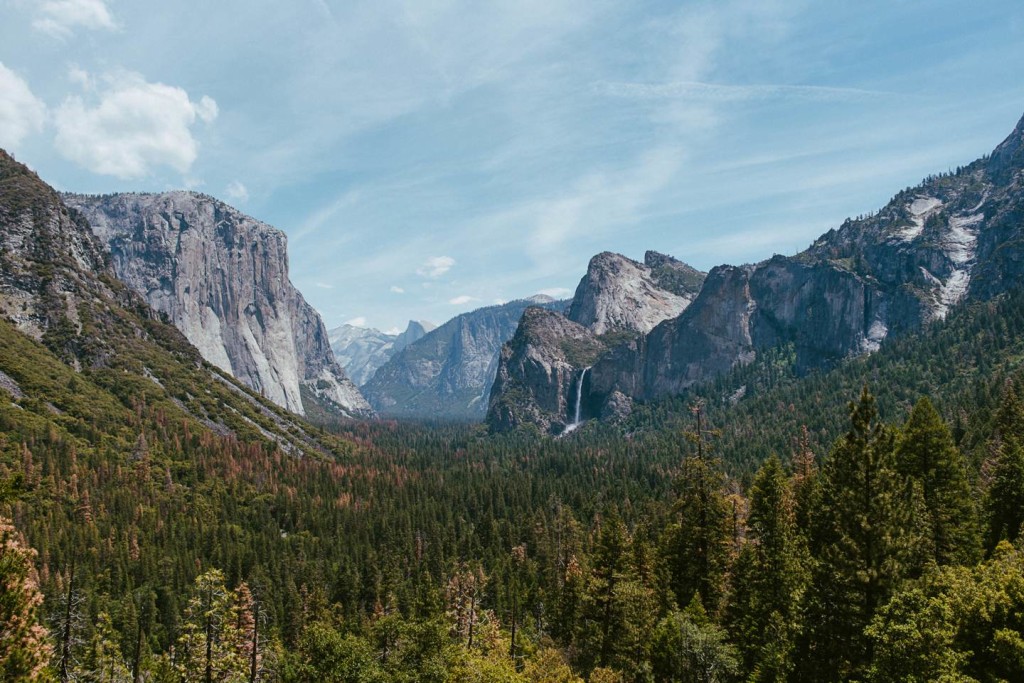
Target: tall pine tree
{"type": "Point", "coordinates": [926, 453]}
{"type": "Point", "coordinates": [769, 578]}
{"type": "Point", "coordinates": [869, 533]}
{"type": "Point", "coordinates": [1004, 499]}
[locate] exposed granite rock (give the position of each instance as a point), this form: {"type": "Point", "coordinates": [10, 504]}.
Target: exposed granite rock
{"type": "Point", "coordinates": [619, 294]}
{"type": "Point", "coordinates": [538, 371]}
{"type": "Point", "coordinates": [448, 373]}
{"type": "Point", "coordinates": [954, 237]}
{"type": "Point", "coordinates": [616, 303]}
{"type": "Point", "coordinates": [222, 278]}
{"type": "Point", "coordinates": [361, 351]}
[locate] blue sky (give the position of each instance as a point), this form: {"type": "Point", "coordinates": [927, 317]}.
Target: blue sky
{"type": "Point", "coordinates": [426, 158]}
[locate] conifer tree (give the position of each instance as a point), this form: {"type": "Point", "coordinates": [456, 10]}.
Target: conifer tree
{"type": "Point", "coordinates": [926, 453]}
{"type": "Point", "coordinates": [210, 648]}
{"type": "Point", "coordinates": [769, 578]}
{"type": "Point", "coordinates": [24, 647]}
{"type": "Point", "coordinates": [1004, 499]}
{"type": "Point", "coordinates": [699, 541]}
{"type": "Point", "coordinates": [870, 538]}
{"type": "Point", "coordinates": [103, 661]}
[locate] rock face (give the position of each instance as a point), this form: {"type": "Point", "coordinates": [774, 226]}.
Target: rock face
{"type": "Point", "coordinates": [51, 266]}
{"type": "Point", "coordinates": [954, 237]}
{"type": "Point", "coordinates": [448, 373]}
{"type": "Point", "coordinates": [361, 350]}
{"type": "Point", "coordinates": [616, 302]}
{"type": "Point", "coordinates": [222, 278]}
{"type": "Point", "coordinates": [539, 370]}
{"type": "Point", "coordinates": [619, 294]}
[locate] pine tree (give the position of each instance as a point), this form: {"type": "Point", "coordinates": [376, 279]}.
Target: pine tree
{"type": "Point", "coordinates": [869, 532]}
{"type": "Point", "coordinates": [926, 453]}
{"type": "Point", "coordinates": [1004, 499]}
{"type": "Point", "coordinates": [769, 578]}
{"type": "Point", "coordinates": [210, 649]}
{"type": "Point", "coordinates": [698, 544]}
{"type": "Point", "coordinates": [24, 647]}
{"type": "Point", "coordinates": [103, 662]}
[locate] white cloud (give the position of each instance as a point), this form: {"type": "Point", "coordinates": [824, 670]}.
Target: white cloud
{"type": "Point", "coordinates": [59, 18]}
{"type": "Point", "coordinates": [359, 321]}
{"type": "Point", "coordinates": [393, 331]}
{"type": "Point", "coordinates": [436, 266]}
{"type": "Point", "coordinates": [237, 192]}
{"type": "Point", "coordinates": [324, 285]}
{"type": "Point", "coordinates": [132, 127]}
{"type": "Point", "coordinates": [463, 299]}
{"type": "Point", "coordinates": [397, 290]}
{"type": "Point", "coordinates": [21, 112]}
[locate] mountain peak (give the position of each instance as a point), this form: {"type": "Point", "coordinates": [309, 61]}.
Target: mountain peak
{"type": "Point", "coordinates": [1009, 154]}
{"type": "Point", "coordinates": [617, 293]}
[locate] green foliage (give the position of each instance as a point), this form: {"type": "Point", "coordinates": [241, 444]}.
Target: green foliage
{"type": "Point", "coordinates": [958, 624]}
{"type": "Point", "coordinates": [769, 578]}
{"type": "Point", "coordinates": [867, 539]}
{"type": "Point", "coordinates": [688, 648]}
{"type": "Point", "coordinates": [927, 454]}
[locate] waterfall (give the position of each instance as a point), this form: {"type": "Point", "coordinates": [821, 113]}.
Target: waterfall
{"type": "Point", "coordinates": [578, 414]}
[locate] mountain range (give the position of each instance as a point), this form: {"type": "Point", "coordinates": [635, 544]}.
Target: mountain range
{"type": "Point", "coordinates": [633, 331]}
{"type": "Point", "coordinates": [955, 237]}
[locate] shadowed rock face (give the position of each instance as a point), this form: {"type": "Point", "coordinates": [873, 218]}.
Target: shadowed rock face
{"type": "Point", "coordinates": [222, 278]}
{"type": "Point", "coordinates": [361, 351]}
{"type": "Point", "coordinates": [616, 302]}
{"type": "Point", "coordinates": [952, 238]}
{"type": "Point", "coordinates": [538, 371]}
{"type": "Point", "coordinates": [448, 372]}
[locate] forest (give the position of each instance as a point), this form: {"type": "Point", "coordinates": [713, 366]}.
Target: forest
{"type": "Point", "coordinates": [857, 524]}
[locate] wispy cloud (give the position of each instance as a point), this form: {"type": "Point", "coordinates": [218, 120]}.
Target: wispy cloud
{"type": "Point", "coordinates": [236, 191]}
{"type": "Point", "coordinates": [359, 321]}
{"type": "Point", "coordinates": [396, 289]}
{"type": "Point", "coordinates": [724, 93]}
{"type": "Point", "coordinates": [462, 300]}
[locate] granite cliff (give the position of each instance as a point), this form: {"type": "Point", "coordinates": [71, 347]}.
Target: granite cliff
{"type": "Point", "coordinates": [544, 367]}
{"type": "Point", "coordinates": [448, 373]}
{"type": "Point", "coordinates": [955, 237]}
{"type": "Point", "coordinates": [221, 278]}
{"type": "Point", "coordinates": [361, 350]}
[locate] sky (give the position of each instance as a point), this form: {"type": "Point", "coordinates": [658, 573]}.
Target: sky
{"type": "Point", "coordinates": [430, 157]}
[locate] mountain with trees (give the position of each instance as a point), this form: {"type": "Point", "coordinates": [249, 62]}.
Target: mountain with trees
{"type": "Point", "coordinates": [954, 238]}
{"type": "Point", "coordinates": [160, 521]}
{"type": "Point", "coordinates": [221, 277]}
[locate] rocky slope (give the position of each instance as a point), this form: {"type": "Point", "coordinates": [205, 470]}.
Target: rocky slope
{"type": "Point", "coordinates": [619, 294]}
{"type": "Point", "coordinates": [361, 350]}
{"type": "Point", "coordinates": [222, 278]}
{"type": "Point", "coordinates": [538, 373]}
{"type": "Point", "coordinates": [84, 353]}
{"type": "Point", "coordinates": [449, 372]}
{"type": "Point", "coordinates": [954, 237]}
{"type": "Point", "coordinates": [616, 302]}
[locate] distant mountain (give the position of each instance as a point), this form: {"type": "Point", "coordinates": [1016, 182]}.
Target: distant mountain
{"type": "Point", "coordinates": [955, 237]}
{"type": "Point", "coordinates": [361, 350]}
{"type": "Point", "coordinates": [222, 278]}
{"type": "Point", "coordinates": [84, 358]}
{"type": "Point", "coordinates": [448, 373]}
{"type": "Point", "coordinates": [541, 378]}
